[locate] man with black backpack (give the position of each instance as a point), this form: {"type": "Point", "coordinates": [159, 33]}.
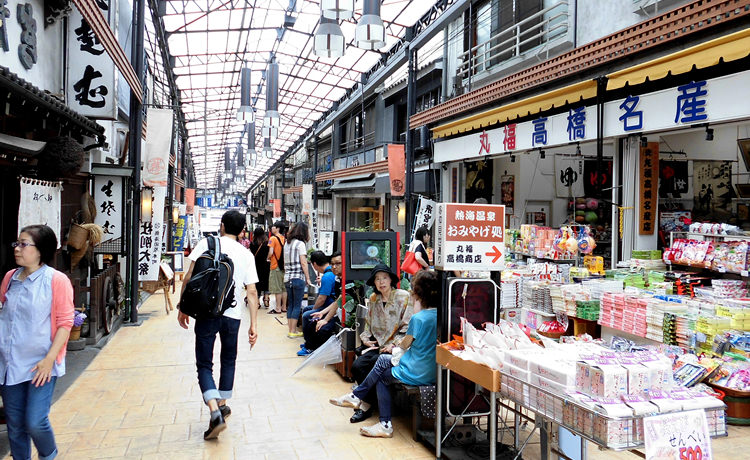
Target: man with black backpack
{"type": "Point", "coordinates": [222, 313]}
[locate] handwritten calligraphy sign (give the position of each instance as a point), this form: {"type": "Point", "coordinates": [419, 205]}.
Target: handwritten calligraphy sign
{"type": "Point", "coordinates": [150, 239]}
{"type": "Point", "coordinates": [678, 436]}
{"type": "Point", "coordinates": [108, 191]}
{"type": "Point", "coordinates": [40, 204]}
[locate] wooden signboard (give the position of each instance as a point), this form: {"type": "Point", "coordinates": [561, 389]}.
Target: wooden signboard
{"type": "Point", "coordinates": [649, 188]}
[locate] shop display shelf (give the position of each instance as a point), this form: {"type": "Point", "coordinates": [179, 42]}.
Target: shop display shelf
{"type": "Point", "coordinates": [743, 273]}
{"type": "Point", "coordinates": [609, 432]}
{"type": "Point", "coordinates": [543, 258]}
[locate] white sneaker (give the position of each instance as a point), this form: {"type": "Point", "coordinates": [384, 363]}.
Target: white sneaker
{"type": "Point", "coordinates": [347, 400]}
{"type": "Point", "coordinates": [379, 430]}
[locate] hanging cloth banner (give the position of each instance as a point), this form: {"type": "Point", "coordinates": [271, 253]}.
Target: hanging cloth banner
{"type": "Point", "coordinates": [40, 204]}
{"type": "Point", "coordinates": [569, 176]}
{"type": "Point", "coordinates": [425, 215]}
{"type": "Point", "coordinates": [307, 192]}
{"type": "Point", "coordinates": [150, 240]}
{"type": "Point", "coordinates": [190, 200]}
{"type": "Point", "coordinates": [397, 169]}
{"type": "Point", "coordinates": [158, 142]}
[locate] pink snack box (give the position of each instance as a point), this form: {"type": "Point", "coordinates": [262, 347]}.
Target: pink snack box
{"type": "Point", "coordinates": [609, 428]}
{"type": "Point", "coordinates": [639, 376]}
{"type": "Point", "coordinates": [608, 379]}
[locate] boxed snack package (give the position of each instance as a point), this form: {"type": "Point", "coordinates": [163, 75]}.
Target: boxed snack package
{"type": "Point", "coordinates": [580, 415]}
{"type": "Point", "coordinates": [583, 374]}
{"type": "Point", "coordinates": [562, 372]}
{"type": "Point", "coordinates": [550, 386]}
{"type": "Point", "coordinates": [639, 376]}
{"type": "Point", "coordinates": [613, 424]}
{"type": "Point", "coordinates": [516, 372]}
{"type": "Point", "coordinates": [640, 406]}
{"type": "Point", "coordinates": [521, 358]}
{"type": "Point", "coordinates": [664, 401]}
{"type": "Point", "coordinates": [661, 377]}
{"type": "Point", "coordinates": [608, 379]}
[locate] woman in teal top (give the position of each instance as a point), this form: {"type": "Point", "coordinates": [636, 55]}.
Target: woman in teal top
{"type": "Point", "coordinates": [417, 365]}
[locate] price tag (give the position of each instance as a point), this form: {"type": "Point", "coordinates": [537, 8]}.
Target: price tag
{"type": "Point", "coordinates": [681, 435]}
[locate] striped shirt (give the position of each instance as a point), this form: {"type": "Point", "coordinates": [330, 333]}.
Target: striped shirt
{"type": "Point", "coordinates": [293, 249]}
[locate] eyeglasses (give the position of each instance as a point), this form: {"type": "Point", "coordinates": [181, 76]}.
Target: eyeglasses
{"type": "Point", "coordinates": [21, 245]}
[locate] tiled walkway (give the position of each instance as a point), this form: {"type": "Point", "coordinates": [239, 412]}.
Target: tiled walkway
{"type": "Point", "coordinates": [140, 399]}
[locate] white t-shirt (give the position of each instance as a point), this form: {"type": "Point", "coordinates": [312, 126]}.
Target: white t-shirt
{"type": "Point", "coordinates": [244, 269]}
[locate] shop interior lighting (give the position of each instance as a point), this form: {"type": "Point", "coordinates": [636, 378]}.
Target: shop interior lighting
{"type": "Point", "coordinates": [401, 215]}
{"type": "Point", "coordinates": [175, 214]}
{"type": "Point", "coordinates": [147, 199]}
{"type": "Point", "coordinates": [709, 133]}
{"type": "Point", "coordinates": [370, 31]}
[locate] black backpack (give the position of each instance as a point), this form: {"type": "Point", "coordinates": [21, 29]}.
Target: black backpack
{"type": "Point", "coordinates": [279, 260]}
{"type": "Point", "coordinates": [210, 290]}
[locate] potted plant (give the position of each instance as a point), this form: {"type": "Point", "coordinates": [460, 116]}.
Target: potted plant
{"type": "Point", "coordinates": [78, 319]}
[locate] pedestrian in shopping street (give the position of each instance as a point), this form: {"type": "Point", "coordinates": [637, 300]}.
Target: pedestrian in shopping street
{"type": "Point", "coordinates": [325, 323]}
{"type": "Point", "coordinates": [35, 322]}
{"type": "Point", "coordinates": [226, 326]}
{"type": "Point", "coordinates": [419, 246]}
{"type": "Point", "coordinates": [415, 367]}
{"type": "Point", "coordinates": [326, 296]}
{"type": "Point", "coordinates": [296, 275]}
{"type": "Point", "coordinates": [276, 260]}
{"type": "Point", "coordinates": [259, 248]}
{"type": "Point", "coordinates": [387, 321]}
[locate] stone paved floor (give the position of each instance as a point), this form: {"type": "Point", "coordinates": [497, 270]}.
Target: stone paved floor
{"type": "Point", "coordinates": [139, 398]}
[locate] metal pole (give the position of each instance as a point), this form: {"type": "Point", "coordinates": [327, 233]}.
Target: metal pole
{"type": "Point", "coordinates": [315, 173]}
{"type": "Point", "coordinates": [411, 102]}
{"type": "Point", "coordinates": [135, 127]}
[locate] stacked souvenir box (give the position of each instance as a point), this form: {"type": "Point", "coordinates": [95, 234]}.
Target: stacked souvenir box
{"type": "Point", "coordinates": [587, 309]}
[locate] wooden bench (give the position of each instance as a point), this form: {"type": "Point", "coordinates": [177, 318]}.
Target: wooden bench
{"type": "Point", "coordinates": [413, 395]}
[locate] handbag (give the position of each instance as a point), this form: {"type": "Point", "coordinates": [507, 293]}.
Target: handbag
{"type": "Point", "coordinates": [410, 264]}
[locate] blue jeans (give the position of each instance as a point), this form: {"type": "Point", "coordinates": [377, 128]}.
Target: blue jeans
{"type": "Point", "coordinates": [27, 414]}
{"type": "Point", "coordinates": [295, 292]}
{"type": "Point", "coordinates": [379, 377]}
{"type": "Point", "coordinates": [307, 313]}
{"type": "Point", "coordinates": [205, 336]}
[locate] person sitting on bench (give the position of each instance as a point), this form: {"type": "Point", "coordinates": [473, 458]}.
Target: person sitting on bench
{"type": "Point", "coordinates": [417, 365]}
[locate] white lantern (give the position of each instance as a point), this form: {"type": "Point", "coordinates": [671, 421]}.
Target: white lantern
{"type": "Point", "coordinates": [370, 31]}
{"type": "Point", "coordinates": [329, 39]}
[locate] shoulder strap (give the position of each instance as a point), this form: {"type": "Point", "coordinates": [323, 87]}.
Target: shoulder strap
{"type": "Point", "coordinates": [273, 253]}
{"type": "Point", "coordinates": [215, 245]}
{"type": "Point", "coordinates": [6, 283]}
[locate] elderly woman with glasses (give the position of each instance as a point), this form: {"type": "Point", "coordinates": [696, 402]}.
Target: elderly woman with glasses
{"type": "Point", "coordinates": [35, 322]}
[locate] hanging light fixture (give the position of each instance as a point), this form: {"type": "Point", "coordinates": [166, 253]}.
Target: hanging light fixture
{"type": "Point", "coordinates": [329, 39]}
{"type": "Point", "coordinates": [240, 169]}
{"type": "Point", "coordinates": [337, 9]}
{"type": "Point", "coordinates": [227, 164]}
{"type": "Point", "coordinates": [272, 120]}
{"type": "Point", "coordinates": [267, 150]}
{"type": "Point", "coordinates": [147, 197]}
{"type": "Point", "coordinates": [370, 31]}
{"type": "Point", "coordinates": [245, 113]}
{"type": "Point", "coordinates": [251, 154]}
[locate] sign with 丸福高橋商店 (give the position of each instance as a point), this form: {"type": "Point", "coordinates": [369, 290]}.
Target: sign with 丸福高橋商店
{"type": "Point", "coordinates": [470, 237]}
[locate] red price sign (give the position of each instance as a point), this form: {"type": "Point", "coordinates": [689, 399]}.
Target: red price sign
{"type": "Point", "coordinates": [691, 453]}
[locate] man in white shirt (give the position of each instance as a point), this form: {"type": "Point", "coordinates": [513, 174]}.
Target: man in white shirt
{"type": "Point", "coordinates": [227, 326]}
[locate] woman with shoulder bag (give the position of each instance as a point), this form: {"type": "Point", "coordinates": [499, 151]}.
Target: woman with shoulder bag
{"type": "Point", "coordinates": [296, 275]}
{"type": "Point", "coordinates": [418, 247]}
{"type": "Point", "coordinates": [35, 322]}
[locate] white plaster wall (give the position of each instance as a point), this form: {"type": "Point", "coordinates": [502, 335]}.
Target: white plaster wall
{"type": "Point", "coordinates": [47, 72]}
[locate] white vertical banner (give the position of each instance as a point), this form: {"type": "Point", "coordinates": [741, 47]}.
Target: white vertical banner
{"type": "Point", "coordinates": [40, 204]}
{"type": "Point", "coordinates": [425, 215]}
{"type": "Point", "coordinates": [108, 191]}
{"type": "Point", "coordinates": [158, 142]}
{"type": "Point", "coordinates": [314, 229]}
{"type": "Point", "coordinates": [307, 192]}
{"type": "Point", "coordinates": [150, 239]}
{"type": "Point", "coordinates": [91, 83]}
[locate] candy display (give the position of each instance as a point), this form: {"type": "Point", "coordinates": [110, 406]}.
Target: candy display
{"type": "Point", "coordinates": [566, 243]}
{"type": "Point", "coordinates": [721, 256]}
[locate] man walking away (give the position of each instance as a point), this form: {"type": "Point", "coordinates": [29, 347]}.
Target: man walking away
{"type": "Point", "coordinates": [227, 325]}
{"type": "Point", "coordinates": [276, 258]}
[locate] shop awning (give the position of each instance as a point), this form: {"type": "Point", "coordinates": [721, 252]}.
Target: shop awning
{"type": "Point", "coordinates": [369, 168]}
{"type": "Point", "coordinates": [727, 48]}
{"type": "Point", "coordinates": [529, 106]}
{"type": "Point", "coordinates": [20, 144]}
{"type": "Point", "coordinates": [341, 185]}
{"type": "Point", "coordinates": [290, 190]}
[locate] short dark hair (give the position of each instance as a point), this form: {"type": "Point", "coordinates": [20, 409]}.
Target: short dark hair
{"type": "Point", "coordinates": [299, 232]}
{"type": "Point", "coordinates": [421, 232]}
{"type": "Point", "coordinates": [280, 225]}
{"type": "Point", "coordinates": [319, 258]}
{"type": "Point", "coordinates": [426, 287]}
{"type": "Point", "coordinates": [336, 254]}
{"type": "Point", "coordinates": [234, 222]}
{"type": "Point", "coordinates": [44, 239]}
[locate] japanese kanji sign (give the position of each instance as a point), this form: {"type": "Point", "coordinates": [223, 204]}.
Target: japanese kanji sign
{"type": "Point", "coordinates": [397, 169]}
{"type": "Point", "coordinates": [40, 204]}
{"type": "Point", "coordinates": [158, 142]}
{"type": "Point", "coordinates": [678, 436]}
{"type": "Point", "coordinates": [649, 198]}
{"type": "Point", "coordinates": [569, 177]}
{"type": "Point", "coordinates": [108, 191]}
{"type": "Point", "coordinates": [470, 237]}
{"type": "Point", "coordinates": [425, 216]}
{"type": "Point", "coordinates": [179, 232]}
{"type": "Point", "coordinates": [91, 83]}
{"type": "Point", "coordinates": [315, 229]}
{"type": "Point", "coordinates": [150, 239]}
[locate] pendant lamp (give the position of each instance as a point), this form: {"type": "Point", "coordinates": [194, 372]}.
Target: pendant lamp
{"type": "Point", "coordinates": [337, 9]}
{"type": "Point", "coordinates": [370, 31]}
{"type": "Point", "coordinates": [329, 39]}
{"type": "Point", "coordinates": [267, 150]}
{"type": "Point", "coordinates": [245, 113]}
{"type": "Point", "coordinates": [272, 120]}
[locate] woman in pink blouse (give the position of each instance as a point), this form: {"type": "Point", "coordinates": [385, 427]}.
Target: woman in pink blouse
{"type": "Point", "coordinates": [35, 321]}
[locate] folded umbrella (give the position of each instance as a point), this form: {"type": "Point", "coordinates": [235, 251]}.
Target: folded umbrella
{"type": "Point", "coordinates": [328, 353]}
